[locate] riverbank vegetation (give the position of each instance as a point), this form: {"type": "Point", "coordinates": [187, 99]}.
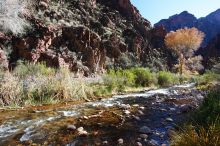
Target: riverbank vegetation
{"type": "Point", "coordinates": [204, 127]}
{"type": "Point", "coordinates": [32, 83]}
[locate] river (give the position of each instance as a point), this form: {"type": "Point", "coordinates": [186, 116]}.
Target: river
{"type": "Point", "coordinates": [144, 118]}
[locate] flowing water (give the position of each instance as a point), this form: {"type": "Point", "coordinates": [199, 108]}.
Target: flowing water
{"type": "Point", "coordinates": [105, 120]}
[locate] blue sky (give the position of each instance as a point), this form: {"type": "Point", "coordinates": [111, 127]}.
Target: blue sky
{"type": "Point", "coordinates": [155, 10]}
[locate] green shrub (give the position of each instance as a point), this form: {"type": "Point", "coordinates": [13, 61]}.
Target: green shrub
{"type": "Point", "coordinates": [129, 77]}
{"type": "Point", "coordinates": [143, 77]}
{"type": "Point", "coordinates": [209, 110]}
{"type": "Point", "coordinates": [207, 78]}
{"type": "Point", "coordinates": [134, 77]}
{"type": "Point", "coordinates": [114, 80]}
{"type": "Point", "coordinates": [165, 78]}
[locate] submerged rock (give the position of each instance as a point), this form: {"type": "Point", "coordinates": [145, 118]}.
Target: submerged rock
{"type": "Point", "coordinates": [153, 142]}
{"type": "Point", "coordinates": [145, 130]}
{"type": "Point", "coordinates": [144, 136]}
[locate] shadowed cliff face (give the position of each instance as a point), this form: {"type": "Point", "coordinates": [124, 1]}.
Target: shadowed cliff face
{"type": "Point", "coordinates": [83, 35]}
{"type": "Point", "coordinates": [211, 52]}
{"type": "Point", "coordinates": [178, 21]}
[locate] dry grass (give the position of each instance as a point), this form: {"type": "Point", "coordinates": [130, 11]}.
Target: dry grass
{"type": "Point", "coordinates": [206, 124]}
{"type": "Point", "coordinates": [10, 90]}
{"type": "Point", "coordinates": [38, 84]}
{"type": "Point", "coordinates": [202, 136]}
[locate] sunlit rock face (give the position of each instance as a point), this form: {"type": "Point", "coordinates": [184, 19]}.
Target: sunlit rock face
{"type": "Point", "coordinates": [84, 36]}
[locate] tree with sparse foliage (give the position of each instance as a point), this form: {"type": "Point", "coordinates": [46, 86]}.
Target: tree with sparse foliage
{"type": "Point", "coordinates": [184, 42]}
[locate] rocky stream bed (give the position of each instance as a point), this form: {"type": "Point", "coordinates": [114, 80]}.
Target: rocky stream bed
{"type": "Point", "coordinates": [140, 119]}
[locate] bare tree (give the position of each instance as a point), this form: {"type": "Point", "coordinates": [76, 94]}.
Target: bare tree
{"type": "Point", "coordinates": [184, 42]}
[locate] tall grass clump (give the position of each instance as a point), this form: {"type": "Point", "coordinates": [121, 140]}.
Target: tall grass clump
{"type": "Point", "coordinates": [201, 136]}
{"type": "Point", "coordinates": [47, 88]}
{"type": "Point", "coordinates": [204, 130]}
{"type": "Point", "coordinates": [10, 90]}
{"type": "Point", "coordinates": [38, 84]}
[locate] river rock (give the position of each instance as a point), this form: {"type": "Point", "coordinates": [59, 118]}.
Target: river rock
{"type": "Point", "coordinates": [170, 127]}
{"type": "Point", "coordinates": [199, 96]}
{"type": "Point", "coordinates": [185, 108]}
{"type": "Point", "coordinates": [172, 109]}
{"type": "Point", "coordinates": [145, 130]}
{"type": "Point", "coordinates": [144, 136]}
{"type": "Point", "coordinates": [138, 144]}
{"type": "Point", "coordinates": [85, 117]}
{"type": "Point", "coordinates": [71, 127]}
{"type": "Point", "coordinates": [125, 106]}
{"type": "Point", "coordinates": [43, 5]}
{"type": "Point", "coordinates": [141, 108]}
{"type": "Point", "coordinates": [153, 142]}
{"type": "Point", "coordinates": [135, 105]}
{"type": "Point", "coordinates": [163, 110]}
{"type": "Point", "coordinates": [120, 141]}
{"type": "Point", "coordinates": [127, 112]}
{"type": "Point", "coordinates": [171, 132]}
{"type": "Point", "coordinates": [136, 118]}
{"type": "Point", "coordinates": [105, 142]}
{"type": "Point", "coordinates": [140, 112]}
{"type": "Point", "coordinates": [80, 129]}
{"type": "Point", "coordinates": [169, 119]}
{"type": "Point", "coordinates": [82, 132]}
